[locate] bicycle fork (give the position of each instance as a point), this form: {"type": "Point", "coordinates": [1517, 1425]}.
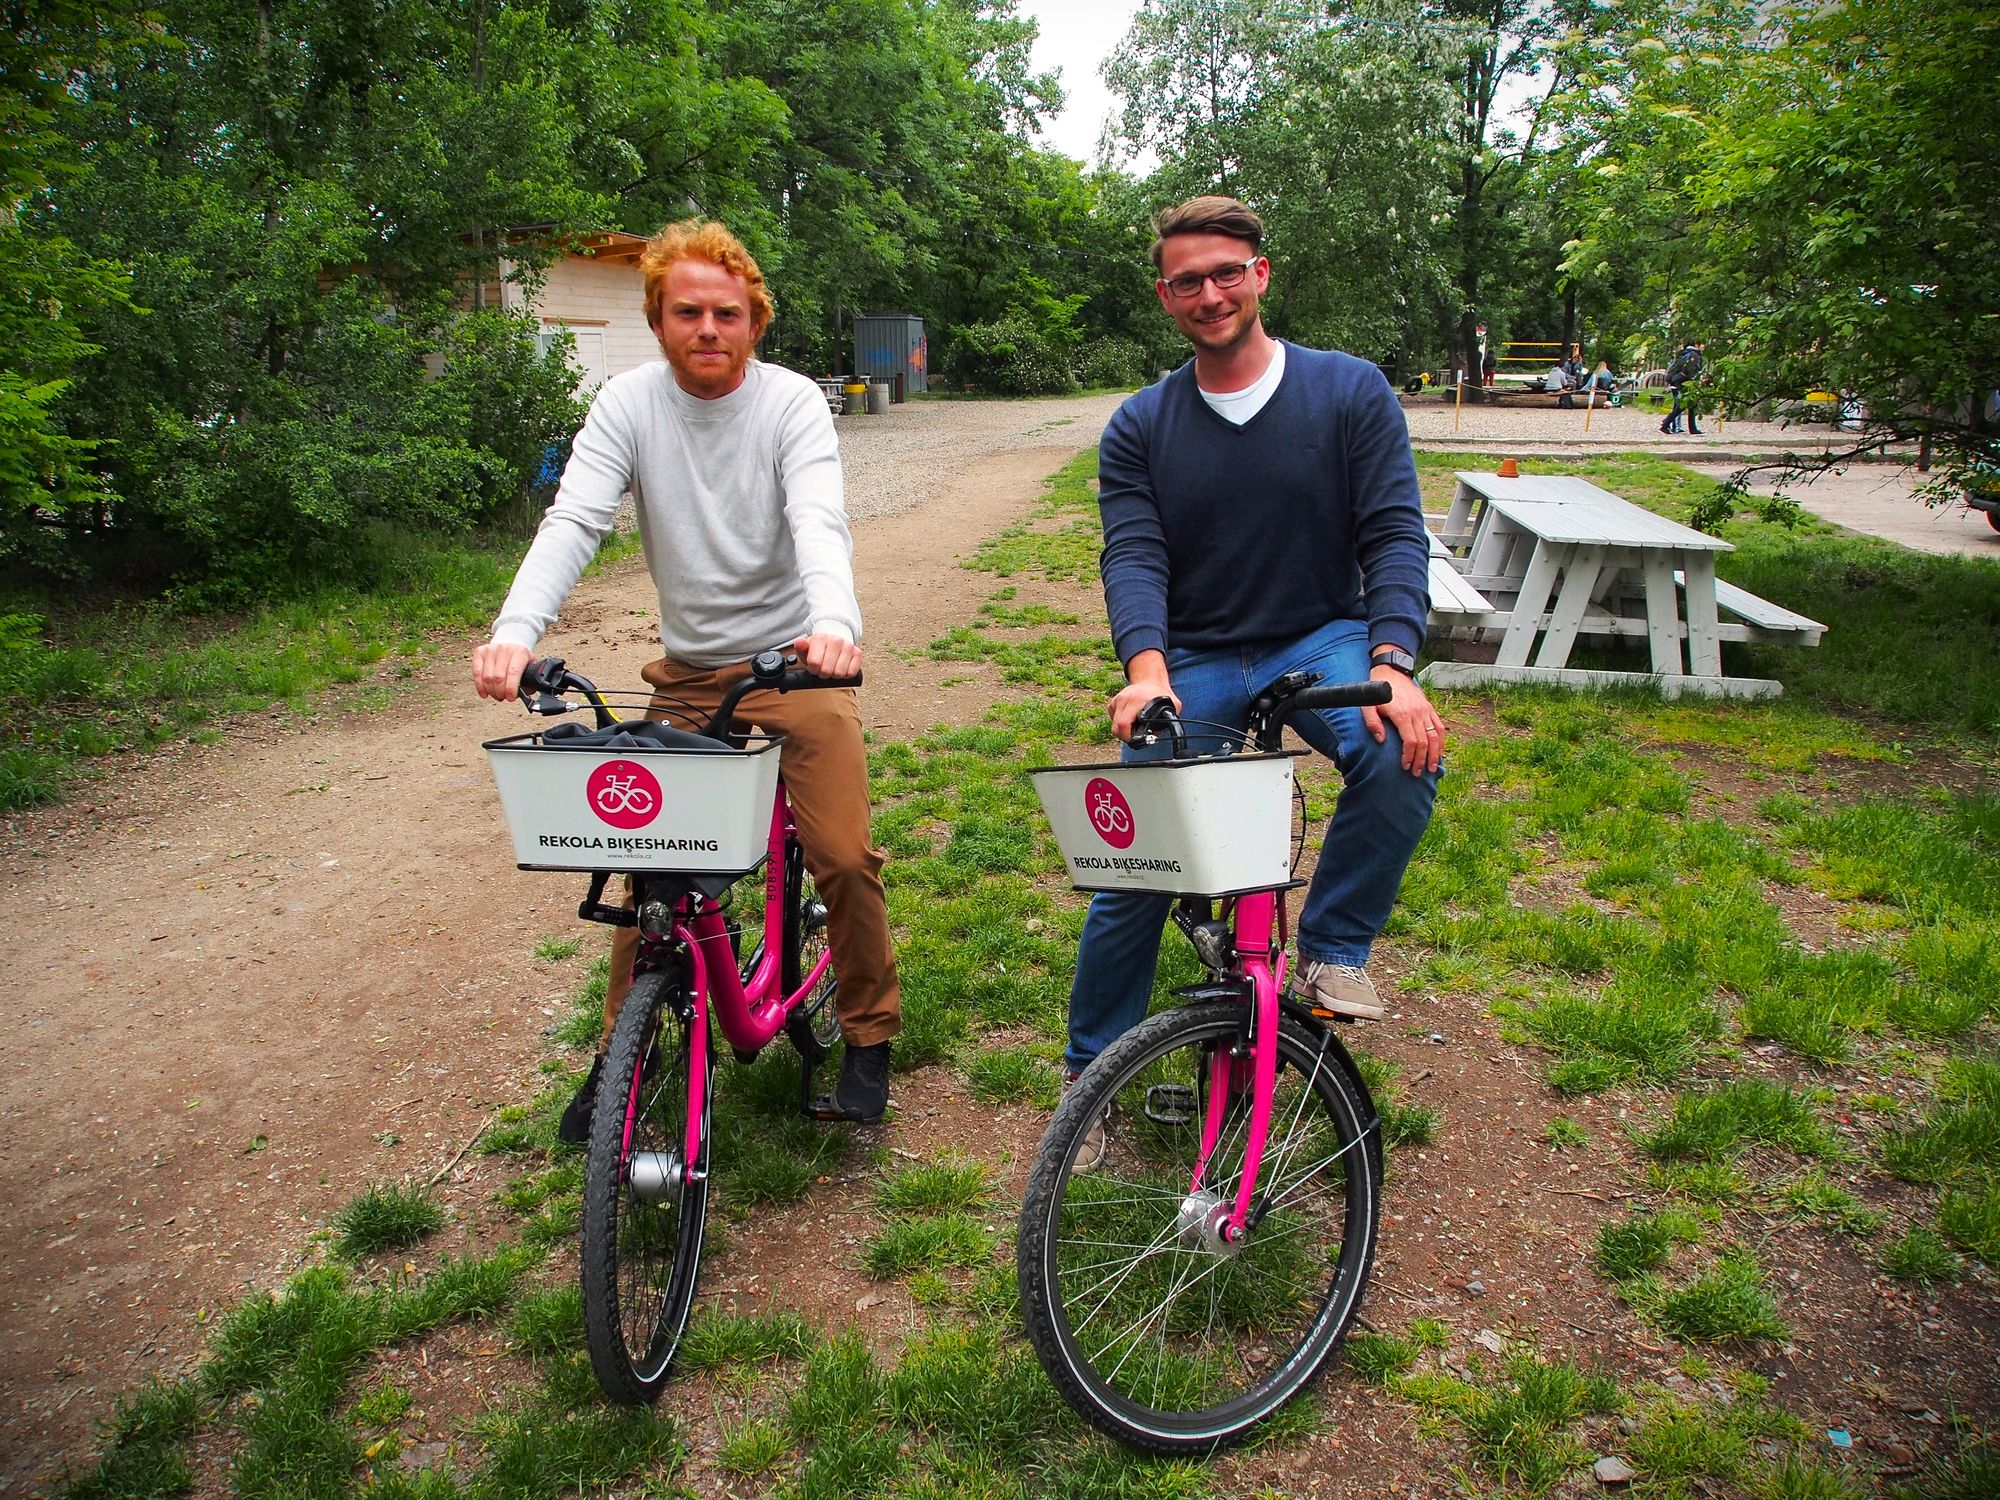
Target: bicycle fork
{"type": "Point", "coordinates": [1205, 1217]}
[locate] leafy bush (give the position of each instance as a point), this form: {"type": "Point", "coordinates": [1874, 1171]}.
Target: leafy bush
{"type": "Point", "coordinates": [1114, 361]}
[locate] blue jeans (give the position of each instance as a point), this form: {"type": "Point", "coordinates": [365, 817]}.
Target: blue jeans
{"type": "Point", "coordinates": [1382, 813]}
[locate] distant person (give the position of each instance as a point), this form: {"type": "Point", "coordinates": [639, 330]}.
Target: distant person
{"type": "Point", "coordinates": [1489, 365]}
{"type": "Point", "coordinates": [1683, 370]}
{"type": "Point", "coordinates": [1557, 380]}
{"type": "Point", "coordinates": [1604, 382]}
{"type": "Point", "coordinates": [1573, 368]}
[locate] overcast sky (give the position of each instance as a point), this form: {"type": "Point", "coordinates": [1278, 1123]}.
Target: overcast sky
{"type": "Point", "coordinates": [1077, 35]}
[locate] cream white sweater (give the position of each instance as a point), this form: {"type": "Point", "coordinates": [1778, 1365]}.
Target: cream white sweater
{"type": "Point", "coordinates": [740, 509]}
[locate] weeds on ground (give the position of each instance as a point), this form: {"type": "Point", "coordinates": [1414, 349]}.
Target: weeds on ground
{"type": "Point", "coordinates": [392, 1216]}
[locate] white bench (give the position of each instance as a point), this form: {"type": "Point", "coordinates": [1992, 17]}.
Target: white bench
{"type": "Point", "coordinates": [1762, 620]}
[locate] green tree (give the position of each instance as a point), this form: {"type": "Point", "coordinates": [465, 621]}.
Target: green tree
{"type": "Point", "coordinates": [302, 190]}
{"type": "Point", "coordinates": [47, 285]}
{"type": "Point", "coordinates": [1331, 120]}
{"type": "Point", "coordinates": [1815, 186]}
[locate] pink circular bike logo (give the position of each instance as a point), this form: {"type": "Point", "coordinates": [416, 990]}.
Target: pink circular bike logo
{"type": "Point", "coordinates": [1109, 813]}
{"type": "Point", "coordinates": [623, 793]}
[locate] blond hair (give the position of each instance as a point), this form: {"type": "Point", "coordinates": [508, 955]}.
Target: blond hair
{"type": "Point", "coordinates": [703, 239]}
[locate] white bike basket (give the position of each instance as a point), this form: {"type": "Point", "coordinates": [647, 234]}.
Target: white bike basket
{"type": "Point", "coordinates": [1217, 826]}
{"type": "Point", "coordinates": [704, 812]}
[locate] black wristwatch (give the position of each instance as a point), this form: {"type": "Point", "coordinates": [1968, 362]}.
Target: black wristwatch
{"type": "Point", "coordinates": [1395, 657]}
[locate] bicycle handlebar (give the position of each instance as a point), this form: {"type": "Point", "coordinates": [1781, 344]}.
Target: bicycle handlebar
{"type": "Point", "coordinates": [544, 682]}
{"type": "Point", "coordinates": [1290, 694]}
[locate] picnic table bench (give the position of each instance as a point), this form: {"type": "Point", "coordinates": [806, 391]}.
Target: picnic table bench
{"type": "Point", "coordinates": [1537, 561]}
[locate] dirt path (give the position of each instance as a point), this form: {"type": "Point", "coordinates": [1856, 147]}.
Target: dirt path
{"type": "Point", "coordinates": [268, 972]}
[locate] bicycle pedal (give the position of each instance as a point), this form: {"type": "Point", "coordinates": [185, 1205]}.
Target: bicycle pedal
{"type": "Point", "coordinates": [1170, 1104]}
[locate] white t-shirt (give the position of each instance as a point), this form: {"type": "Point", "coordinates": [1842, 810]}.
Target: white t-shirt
{"type": "Point", "coordinates": [1238, 407]}
{"type": "Point", "coordinates": [740, 509]}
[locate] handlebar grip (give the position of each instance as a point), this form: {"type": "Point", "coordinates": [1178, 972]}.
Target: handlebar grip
{"type": "Point", "coordinates": [1341, 695]}
{"type": "Point", "coordinates": [542, 677]}
{"type": "Point", "coordinates": [798, 678]}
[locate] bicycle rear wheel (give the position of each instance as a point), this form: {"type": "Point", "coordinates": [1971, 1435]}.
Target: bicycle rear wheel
{"type": "Point", "coordinates": [1161, 1335]}
{"type": "Point", "coordinates": [813, 1027]}
{"type": "Point", "coordinates": [645, 1197]}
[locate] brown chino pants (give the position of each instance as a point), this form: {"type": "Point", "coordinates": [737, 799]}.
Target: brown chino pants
{"type": "Point", "coordinates": [825, 769]}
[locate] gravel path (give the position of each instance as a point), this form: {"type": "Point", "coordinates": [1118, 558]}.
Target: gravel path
{"type": "Point", "coordinates": [904, 456]}
{"type": "Point", "coordinates": [1551, 430]}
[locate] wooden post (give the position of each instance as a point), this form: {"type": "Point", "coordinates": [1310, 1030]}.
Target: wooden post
{"type": "Point", "coordinates": [1590, 407]}
{"type": "Point", "coordinates": [1458, 404]}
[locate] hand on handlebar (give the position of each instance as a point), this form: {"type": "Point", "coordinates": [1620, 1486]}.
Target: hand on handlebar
{"type": "Point", "coordinates": [826, 655]}
{"type": "Point", "coordinates": [497, 668]}
{"type": "Point", "coordinates": [1147, 674]}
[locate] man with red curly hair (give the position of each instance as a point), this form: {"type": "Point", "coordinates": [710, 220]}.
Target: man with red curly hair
{"type": "Point", "coordinates": [736, 474]}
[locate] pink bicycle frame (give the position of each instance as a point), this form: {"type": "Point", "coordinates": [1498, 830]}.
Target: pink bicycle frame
{"type": "Point", "coordinates": [1256, 913]}
{"type": "Point", "coordinates": [751, 1013]}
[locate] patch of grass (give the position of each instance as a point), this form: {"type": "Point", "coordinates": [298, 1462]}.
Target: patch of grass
{"type": "Point", "coordinates": [390, 1216]}
{"type": "Point", "coordinates": [1520, 1431]}
{"type": "Point", "coordinates": [143, 1446]}
{"type": "Point", "coordinates": [935, 1244]}
{"type": "Point", "coordinates": [1643, 1242]}
{"type": "Point", "coordinates": [1728, 1303]}
{"type": "Point", "coordinates": [1956, 1145]}
{"type": "Point", "coordinates": [1636, 1031]}
{"type": "Point", "coordinates": [95, 679]}
{"type": "Point", "coordinates": [949, 1184]}
{"type": "Point", "coordinates": [1013, 1075]}
{"type": "Point", "coordinates": [718, 1340]}
{"type": "Point", "coordinates": [1409, 1124]}
{"type": "Point", "coordinates": [973, 1391]}
{"type": "Point", "coordinates": [1565, 1134]}
{"type": "Point", "coordinates": [555, 950]}
{"type": "Point", "coordinates": [1921, 1257]}
{"type": "Point", "coordinates": [1378, 1356]}
{"type": "Point", "coordinates": [756, 1447]}
{"type": "Point", "coordinates": [548, 1323]}
{"type": "Point", "coordinates": [1429, 1333]}
{"type": "Point", "coordinates": [383, 1405]}
{"type": "Point", "coordinates": [1973, 1473]}
{"type": "Point", "coordinates": [1717, 1125]}
{"type": "Point", "coordinates": [536, 1452]}
{"type": "Point", "coordinates": [1814, 1195]}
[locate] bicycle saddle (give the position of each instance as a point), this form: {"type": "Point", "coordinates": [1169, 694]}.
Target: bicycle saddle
{"type": "Point", "coordinates": [638, 734]}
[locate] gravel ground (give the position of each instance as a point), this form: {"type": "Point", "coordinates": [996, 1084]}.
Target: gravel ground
{"type": "Point", "coordinates": [1546, 428]}
{"type": "Point", "coordinates": [900, 458]}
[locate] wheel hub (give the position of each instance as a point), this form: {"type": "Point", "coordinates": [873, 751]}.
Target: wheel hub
{"type": "Point", "coordinates": [1200, 1224]}
{"type": "Point", "coordinates": [656, 1176]}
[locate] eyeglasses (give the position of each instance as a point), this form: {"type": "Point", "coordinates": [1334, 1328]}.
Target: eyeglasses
{"type": "Point", "coordinates": [1224, 278]}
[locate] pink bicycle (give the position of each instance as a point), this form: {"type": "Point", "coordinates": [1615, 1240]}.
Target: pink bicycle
{"type": "Point", "coordinates": [721, 811]}
{"type": "Point", "coordinates": [1186, 1279]}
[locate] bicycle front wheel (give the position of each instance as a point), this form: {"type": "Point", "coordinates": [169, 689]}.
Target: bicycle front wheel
{"type": "Point", "coordinates": [1158, 1331]}
{"type": "Point", "coordinates": [814, 1025]}
{"type": "Point", "coordinates": [645, 1195]}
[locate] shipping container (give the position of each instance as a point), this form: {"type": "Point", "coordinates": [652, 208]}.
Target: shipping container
{"type": "Point", "coordinates": [891, 347]}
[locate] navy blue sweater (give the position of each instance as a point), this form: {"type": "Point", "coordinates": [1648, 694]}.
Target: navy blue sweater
{"type": "Point", "coordinates": [1218, 535]}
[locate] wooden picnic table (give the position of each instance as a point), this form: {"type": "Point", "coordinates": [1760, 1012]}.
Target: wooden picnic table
{"type": "Point", "coordinates": [1543, 559]}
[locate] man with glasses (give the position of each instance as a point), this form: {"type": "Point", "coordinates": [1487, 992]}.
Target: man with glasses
{"type": "Point", "coordinates": [1261, 517]}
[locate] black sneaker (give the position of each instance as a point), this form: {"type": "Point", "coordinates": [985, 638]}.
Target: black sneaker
{"type": "Point", "coordinates": [576, 1116]}
{"type": "Point", "coordinates": [862, 1091]}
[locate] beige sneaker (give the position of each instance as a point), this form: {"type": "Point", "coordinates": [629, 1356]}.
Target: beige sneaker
{"type": "Point", "coordinates": [1344, 989]}
{"type": "Point", "coordinates": [1090, 1154]}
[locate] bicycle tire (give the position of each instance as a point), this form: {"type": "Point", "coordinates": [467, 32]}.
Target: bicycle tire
{"type": "Point", "coordinates": [1219, 1318]}
{"type": "Point", "coordinates": [641, 1250]}
{"type": "Point", "coordinates": [813, 1027]}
